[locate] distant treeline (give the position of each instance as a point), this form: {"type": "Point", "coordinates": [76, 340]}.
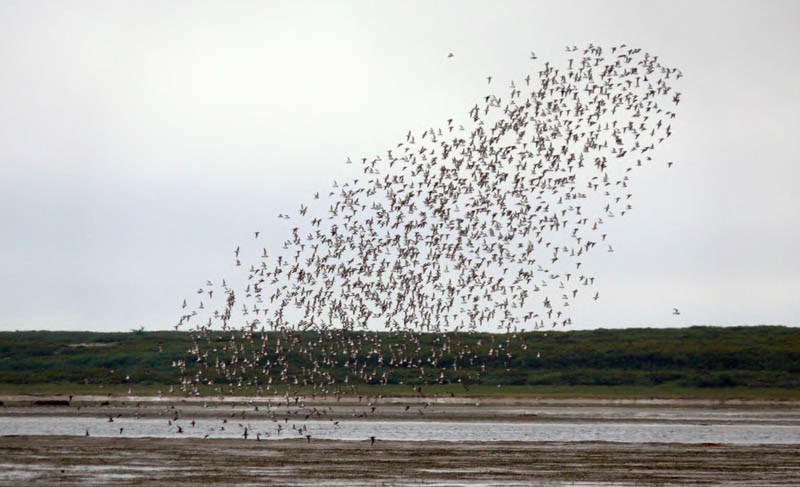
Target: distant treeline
{"type": "Point", "coordinates": [757, 356]}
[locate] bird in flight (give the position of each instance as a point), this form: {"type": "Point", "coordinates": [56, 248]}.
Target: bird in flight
{"type": "Point", "coordinates": [481, 222]}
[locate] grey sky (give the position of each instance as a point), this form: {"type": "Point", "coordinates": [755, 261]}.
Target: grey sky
{"type": "Point", "coordinates": [141, 142]}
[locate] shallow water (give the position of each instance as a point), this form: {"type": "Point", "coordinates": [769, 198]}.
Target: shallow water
{"type": "Point", "coordinates": [744, 433]}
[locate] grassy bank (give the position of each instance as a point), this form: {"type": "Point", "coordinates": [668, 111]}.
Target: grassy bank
{"type": "Point", "coordinates": [748, 362]}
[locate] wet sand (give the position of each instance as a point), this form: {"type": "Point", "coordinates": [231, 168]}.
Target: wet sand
{"type": "Point", "coordinates": [125, 461]}
{"type": "Point", "coordinates": [79, 460]}
{"type": "Point", "coordinates": [439, 408]}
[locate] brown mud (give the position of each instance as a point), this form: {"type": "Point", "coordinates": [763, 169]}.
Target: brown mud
{"type": "Point", "coordinates": [125, 461]}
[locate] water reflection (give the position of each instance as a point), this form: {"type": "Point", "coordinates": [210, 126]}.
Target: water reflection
{"type": "Point", "coordinates": [639, 432]}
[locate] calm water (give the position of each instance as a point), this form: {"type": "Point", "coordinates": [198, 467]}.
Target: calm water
{"type": "Point", "coordinates": [565, 431]}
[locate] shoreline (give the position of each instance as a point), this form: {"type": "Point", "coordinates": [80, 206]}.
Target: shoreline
{"type": "Point", "coordinates": [406, 408]}
{"type": "Point", "coordinates": [183, 460]}
{"type": "Point", "coordinates": [30, 400]}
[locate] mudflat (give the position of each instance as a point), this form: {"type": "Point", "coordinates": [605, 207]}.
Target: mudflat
{"type": "Point", "coordinates": [60, 460]}
{"type": "Point", "coordinates": [399, 409]}
{"type": "Point", "coordinates": [178, 459]}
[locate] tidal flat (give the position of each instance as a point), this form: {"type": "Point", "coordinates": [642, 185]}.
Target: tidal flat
{"type": "Point", "coordinates": [417, 441]}
{"type": "Point", "coordinates": [40, 460]}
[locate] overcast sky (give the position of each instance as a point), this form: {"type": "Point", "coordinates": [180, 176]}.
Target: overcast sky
{"type": "Point", "coordinates": [141, 142]}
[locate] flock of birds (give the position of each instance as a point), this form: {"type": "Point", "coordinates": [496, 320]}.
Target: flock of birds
{"type": "Point", "coordinates": [484, 221]}
{"type": "Point", "coordinates": [284, 418]}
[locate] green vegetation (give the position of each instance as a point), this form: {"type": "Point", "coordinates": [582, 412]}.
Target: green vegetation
{"type": "Point", "coordinates": [761, 361]}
